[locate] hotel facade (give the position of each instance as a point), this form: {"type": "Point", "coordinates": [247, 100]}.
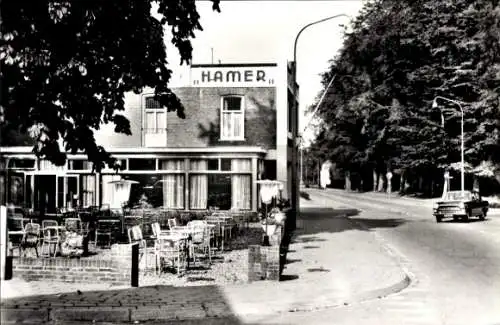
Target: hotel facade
{"type": "Point", "coordinates": [241, 126]}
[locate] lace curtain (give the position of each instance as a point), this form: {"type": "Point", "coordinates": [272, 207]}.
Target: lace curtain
{"type": "Point", "coordinates": [198, 186]}
{"type": "Point", "coordinates": [173, 185]}
{"type": "Point", "coordinates": [241, 185]}
{"type": "Point", "coordinates": [88, 187]}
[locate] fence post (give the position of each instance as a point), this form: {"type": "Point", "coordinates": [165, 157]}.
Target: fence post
{"type": "Point", "coordinates": [135, 265]}
{"type": "Point", "coordinates": [5, 255]}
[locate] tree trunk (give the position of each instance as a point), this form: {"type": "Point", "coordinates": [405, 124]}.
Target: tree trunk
{"type": "Point", "coordinates": [375, 178]}
{"type": "Point", "coordinates": [319, 173]}
{"type": "Point", "coordinates": [380, 182]}
{"type": "Point", "coordinates": [305, 175]}
{"type": "Point", "coordinates": [420, 183]}
{"type": "Point", "coordinates": [402, 182]}
{"type": "Point", "coordinates": [407, 183]}
{"type": "Point", "coordinates": [348, 181]}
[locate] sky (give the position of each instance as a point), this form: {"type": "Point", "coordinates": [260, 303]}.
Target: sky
{"type": "Point", "coordinates": [264, 31]}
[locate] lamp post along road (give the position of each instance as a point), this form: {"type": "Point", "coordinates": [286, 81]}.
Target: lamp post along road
{"type": "Point", "coordinates": [295, 79]}
{"type": "Point", "coordinates": [462, 164]}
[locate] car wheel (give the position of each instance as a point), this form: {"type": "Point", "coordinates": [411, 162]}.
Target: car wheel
{"type": "Point", "coordinates": [439, 219]}
{"type": "Point", "coordinates": [455, 218]}
{"type": "Point", "coordinates": [466, 217]}
{"type": "Point", "coordinates": [482, 216]}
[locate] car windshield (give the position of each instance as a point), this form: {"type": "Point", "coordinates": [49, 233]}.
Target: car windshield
{"type": "Point", "coordinates": [455, 196]}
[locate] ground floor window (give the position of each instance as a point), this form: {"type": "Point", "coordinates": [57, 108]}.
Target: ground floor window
{"type": "Point", "coordinates": [225, 191]}
{"type": "Point", "coordinates": [16, 190]}
{"type": "Point", "coordinates": [177, 183]}
{"type": "Point", "coordinates": [45, 193]}
{"type": "Point", "coordinates": [141, 191]}
{"type": "Point", "coordinates": [67, 191]}
{"type": "Point", "coordinates": [241, 192]}
{"type": "Point", "coordinates": [219, 191]}
{"type": "Point", "coordinates": [198, 192]}
{"type": "Point", "coordinates": [88, 188]}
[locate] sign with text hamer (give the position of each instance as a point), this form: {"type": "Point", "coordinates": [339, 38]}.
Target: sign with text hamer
{"type": "Point", "coordinates": [245, 76]}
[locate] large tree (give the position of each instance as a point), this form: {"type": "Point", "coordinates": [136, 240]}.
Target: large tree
{"type": "Point", "coordinates": [399, 55]}
{"type": "Point", "coordinates": [66, 66]}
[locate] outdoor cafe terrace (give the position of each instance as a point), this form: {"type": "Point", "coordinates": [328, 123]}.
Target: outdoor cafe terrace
{"type": "Point", "coordinates": [175, 247]}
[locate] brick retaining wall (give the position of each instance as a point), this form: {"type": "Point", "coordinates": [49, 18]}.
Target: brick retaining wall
{"type": "Point", "coordinates": [114, 268]}
{"type": "Point", "coordinates": [264, 261]}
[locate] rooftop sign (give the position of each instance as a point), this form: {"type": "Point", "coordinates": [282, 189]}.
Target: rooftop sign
{"type": "Point", "coordinates": [233, 76]}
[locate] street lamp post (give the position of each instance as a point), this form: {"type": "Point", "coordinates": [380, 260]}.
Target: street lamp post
{"type": "Point", "coordinates": [462, 164]}
{"type": "Point", "coordinates": [295, 76]}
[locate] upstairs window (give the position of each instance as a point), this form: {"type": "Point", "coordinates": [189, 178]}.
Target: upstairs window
{"type": "Point", "coordinates": [155, 116]}
{"type": "Point", "coordinates": [232, 118]}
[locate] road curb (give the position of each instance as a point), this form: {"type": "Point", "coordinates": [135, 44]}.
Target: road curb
{"type": "Point", "coordinates": [400, 259]}
{"type": "Point", "coordinates": [354, 299]}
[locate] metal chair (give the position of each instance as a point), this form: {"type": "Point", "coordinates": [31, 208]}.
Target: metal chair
{"type": "Point", "coordinates": [50, 237]}
{"type": "Point", "coordinates": [216, 235]}
{"type": "Point", "coordinates": [172, 251]}
{"type": "Point", "coordinates": [49, 223]}
{"type": "Point", "coordinates": [31, 237]}
{"type": "Point", "coordinates": [15, 227]}
{"type": "Point", "coordinates": [226, 223]}
{"type": "Point", "coordinates": [135, 237]}
{"type": "Point", "coordinates": [104, 229]}
{"type": "Point", "coordinates": [172, 223]}
{"type": "Point", "coordinates": [157, 231]}
{"type": "Point", "coordinates": [200, 238]}
{"type": "Point", "coordinates": [240, 219]}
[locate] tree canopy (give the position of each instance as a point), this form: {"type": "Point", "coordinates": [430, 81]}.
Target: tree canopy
{"type": "Point", "coordinates": [397, 57]}
{"type": "Point", "coordinates": [66, 66]}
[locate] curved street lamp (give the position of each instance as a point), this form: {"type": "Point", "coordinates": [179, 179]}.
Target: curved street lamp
{"type": "Point", "coordinates": [300, 32]}
{"type": "Point", "coordinates": [295, 78]}
{"type": "Point", "coordinates": [435, 105]}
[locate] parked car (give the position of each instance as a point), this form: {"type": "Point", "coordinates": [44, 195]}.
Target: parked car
{"type": "Point", "coordinates": [463, 205]}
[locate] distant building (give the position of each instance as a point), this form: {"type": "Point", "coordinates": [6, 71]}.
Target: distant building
{"type": "Point", "coordinates": [241, 125]}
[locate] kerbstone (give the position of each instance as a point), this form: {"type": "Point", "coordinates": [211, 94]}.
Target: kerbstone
{"type": "Point", "coordinates": [19, 314]}
{"type": "Point", "coordinates": [94, 314]}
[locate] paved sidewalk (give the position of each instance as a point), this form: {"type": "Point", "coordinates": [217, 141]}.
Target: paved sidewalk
{"type": "Point", "coordinates": [332, 262]}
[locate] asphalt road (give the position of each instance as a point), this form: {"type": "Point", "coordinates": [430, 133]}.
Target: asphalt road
{"type": "Point", "coordinates": [455, 266]}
